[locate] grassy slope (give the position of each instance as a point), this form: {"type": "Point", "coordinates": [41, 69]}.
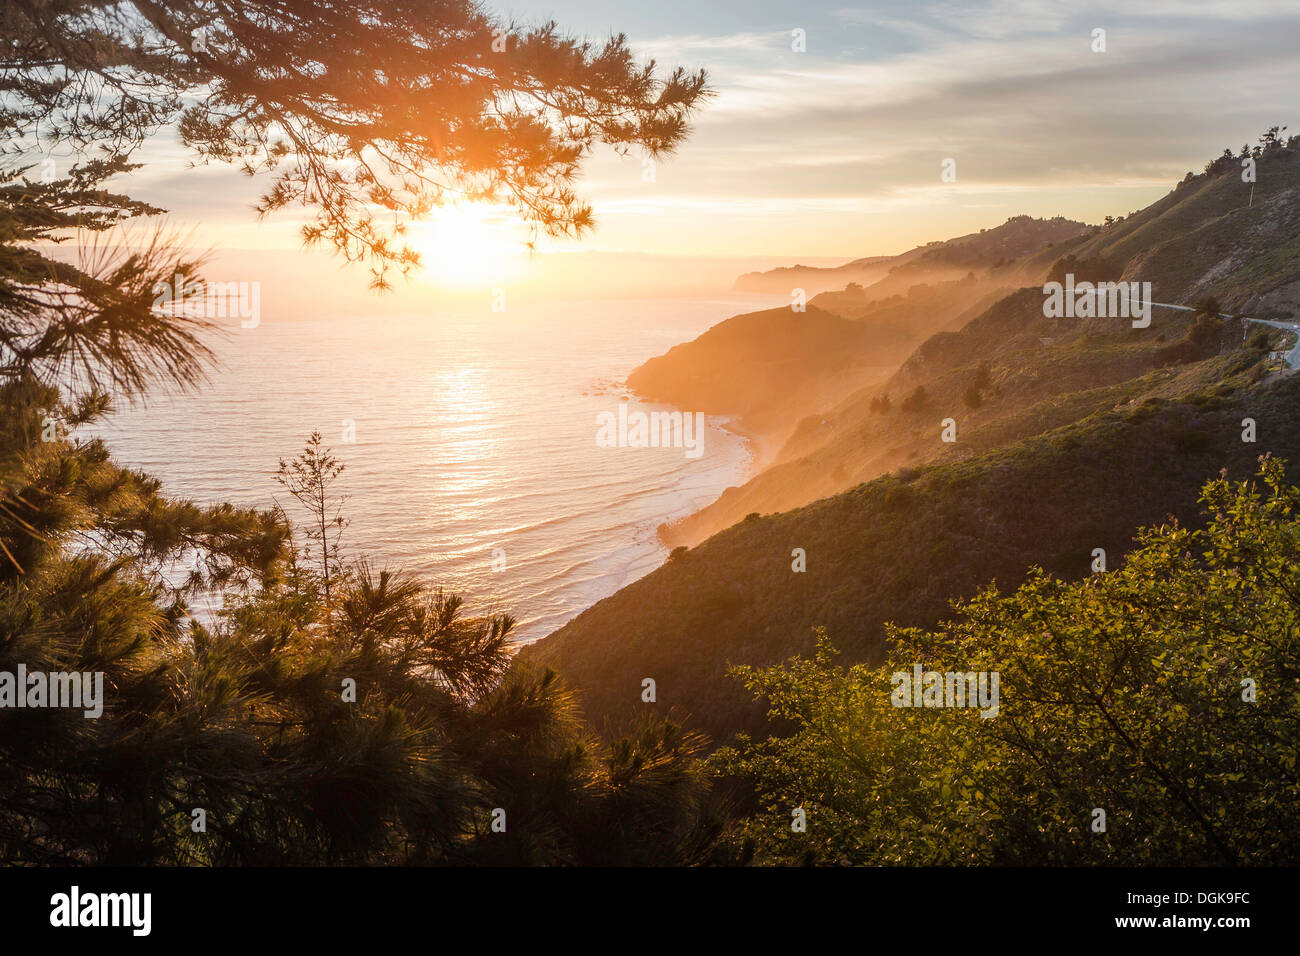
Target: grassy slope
{"type": "Point", "coordinates": [772, 368]}
{"type": "Point", "coordinates": [1209, 236]}
{"type": "Point", "coordinates": [1077, 442]}
{"type": "Point", "coordinates": [1201, 239]}
{"type": "Point", "coordinates": [779, 366]}
{"type": "Point", "coordinates": [1033, 386]}
{"type": "Point", "coordinates": [898, 549]}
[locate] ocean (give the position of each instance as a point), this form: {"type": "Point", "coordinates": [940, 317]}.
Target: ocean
{"type": "Point", "coordinates": [468, 439]}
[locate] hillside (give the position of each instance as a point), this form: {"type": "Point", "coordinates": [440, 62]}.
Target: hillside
{"type": "Point", "coordinates": [1202, 241]}
{"type": "Point", "coordinates": [774, 367]}
{"type": "Point", "coordinates": [899, 548]}
{"type": "Point", "coordinates": [1017, 237]}
{"type": "Point", "coordinates": [1071, 433]}
{"type": "Point", "coordinates": [780, 366]}
{"type": "Point", "coordinates": [1211, 235]}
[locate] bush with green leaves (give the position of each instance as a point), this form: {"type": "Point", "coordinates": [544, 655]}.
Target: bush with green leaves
{"type": "Point", "coordinates": [1165, 693]}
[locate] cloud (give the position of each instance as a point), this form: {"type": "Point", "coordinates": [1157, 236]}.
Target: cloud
{"type": "Point", "coordinates": [856, 127]}
{"type": "Point", "coordinates": [1012, 104]}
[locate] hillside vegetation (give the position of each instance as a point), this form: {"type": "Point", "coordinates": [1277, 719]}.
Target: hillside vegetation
{"type": "Point", "coordinates": [1144, 716]}
{"type": "Point", "coordinates": [1011, 371]}
{"type": "Point", "coordinates": [900, 547]}
{"type": "Point", "coordinates": [775, 367]}
{"type": "Point", "coordinates": [1070, 434]}
{"type": "Point", "coordinates": [1017, 237]}
{"type": "Point", "coordinates": [769, 369]}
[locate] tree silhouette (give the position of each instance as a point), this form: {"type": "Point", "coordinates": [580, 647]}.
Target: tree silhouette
{"type": "Point", "coordinates": [355, 717]}
{"type": "Point", "coordinates": [308, 478]}
{"type": "Point", "coordinates": [359, 109]}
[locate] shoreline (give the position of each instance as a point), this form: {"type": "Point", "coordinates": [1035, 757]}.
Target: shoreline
{"type": "Point", "coordinates": [647, 553]}
{"type": "Point", "coordinates": [761, 448]}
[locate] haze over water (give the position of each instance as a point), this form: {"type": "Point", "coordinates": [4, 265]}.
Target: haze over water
{"type": "Point", "coordinates": [473, 431]}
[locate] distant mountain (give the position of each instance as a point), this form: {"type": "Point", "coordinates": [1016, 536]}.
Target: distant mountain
{"type": "Point", "coordinates": [1017, 237]}
{"type": "Point", "coordinates": [1205, 239]}
{"type": "Point", "coordinates": [814, 279]}
{"type": "Point", "coordinates": [774, 367]}
{"type": "Point", "coordinates": [1070, 434]}
{"type": "Point", "coordinates": [779, 366]}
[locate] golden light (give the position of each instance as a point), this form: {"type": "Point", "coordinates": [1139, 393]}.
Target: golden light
{"type": "Point", "coordinates": [469, 245]}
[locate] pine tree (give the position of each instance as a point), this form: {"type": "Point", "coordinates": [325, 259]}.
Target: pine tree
{"type": "Point", "coordinates": [348, 716]}
{"type": "Point", "coordinates": [309, 478]}
{"type": "Point", "coordinates": [400, 105]}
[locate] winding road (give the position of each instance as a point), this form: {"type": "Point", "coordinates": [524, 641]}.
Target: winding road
{"type": "Point", "coordinates": [1292, 358]}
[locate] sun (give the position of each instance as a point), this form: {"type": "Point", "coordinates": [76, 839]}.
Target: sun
{"type": "Point", "coordinates": [469, 245]}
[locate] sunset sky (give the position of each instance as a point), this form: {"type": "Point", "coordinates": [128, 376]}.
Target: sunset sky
{"type": "Point", "coordinates": [836, 152]}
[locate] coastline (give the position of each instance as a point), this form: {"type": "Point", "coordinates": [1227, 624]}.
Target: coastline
{"type": "Point", "coordinates": [762, 449]}
{"type": "Point", "coordinates": [646, 550]}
